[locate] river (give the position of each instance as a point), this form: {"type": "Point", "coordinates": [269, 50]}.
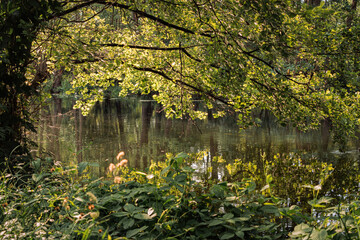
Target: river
{"type": "Point", "coordinates": [139, 128]}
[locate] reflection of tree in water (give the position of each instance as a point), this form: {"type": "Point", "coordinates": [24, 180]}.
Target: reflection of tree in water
{"type": "Point", "coordinates": [140, 129]}
{"type": "Point", "coordinates": [144, 150]}
{"type": "Point", "coordinates": [344, 178]}
{"type": "Point", "coordinates": [78, 118]}
{"type": "Point", "coordinates": [49, 129]}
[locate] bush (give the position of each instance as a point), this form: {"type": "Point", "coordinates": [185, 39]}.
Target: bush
{"type": "Point", "coordinates": [164, 203]}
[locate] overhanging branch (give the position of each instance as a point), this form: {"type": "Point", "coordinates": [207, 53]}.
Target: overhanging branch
{"type": "Point", "coordinates": [197, 89]}
{"type": "Point", "coordinates": [129, 8]}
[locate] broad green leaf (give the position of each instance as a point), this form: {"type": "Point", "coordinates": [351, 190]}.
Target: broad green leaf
{"type": "Point", "coordinates": [132, 233]}
{"type": "Point", "coordinates": [301, 229]}
{"type": "Point", "coordinates": [240, 234]}
{"type": "Point", "coordinates": [319, 235]}
{"type": "Point", "coordinates": [129, 208]}
{"type": "Point", "coordinates": [143, 216]}
{"type": "Point", "coordinates": [181, 178]}
{"type": "Point", "coordinates": [228, 216]}
{"type": "Point", "coordinates": [215, 222]}
{"type": "Point", "coordinates": [242, 218]}
{"type": "Point", "coordinates": [82, 166]}
{"type": "Point", "coordinates": [269, 209]}
{"type": "Point", "coordinates": [227, 236]}
{"type": "Point", "coordinates": [37, 177]}
{"type": "Point", "coordinates": [218, 191]}
{"type": "Point", "coordinates": [120, 214]}
{"type": "Point", "coordinates": [128, 223]}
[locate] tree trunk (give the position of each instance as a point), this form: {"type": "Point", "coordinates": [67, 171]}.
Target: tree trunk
{"type": "Point", "coordinates": [352, 13]}
{"type": "Point", "coordinates": [313, 3]}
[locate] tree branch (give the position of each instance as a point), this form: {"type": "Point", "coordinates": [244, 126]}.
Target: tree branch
{"type": "Point", "coordinates": [197, 89]}
{"type": "Point", "coordinates": [183, 49]}
{"type": "Point", "coordinates": [145, 47]}
{"type": "Point", "coordinates": [73, 9]}
{"type": "Point", "coordinates": [127, 7]}
{"type": "Point", "coordinates": [83, 21]}
{"type": "Point", "coordinates": [156, 19]}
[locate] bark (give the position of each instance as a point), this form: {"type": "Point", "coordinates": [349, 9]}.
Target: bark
{"type": "Point", "coordinates": [313, 3]}
{"type": "Point", "coordinates": [352, 13]}
{"type": "Point", "coordinates": [57, 81]}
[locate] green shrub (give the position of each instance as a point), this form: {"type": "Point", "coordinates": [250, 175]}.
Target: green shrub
{"type": "Point", "coordinates": [164, 203]}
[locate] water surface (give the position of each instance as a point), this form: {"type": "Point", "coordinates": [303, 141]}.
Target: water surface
{"type": "Point", "coordinates": [139, 128]}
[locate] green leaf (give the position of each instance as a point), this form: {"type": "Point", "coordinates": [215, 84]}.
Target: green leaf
{"type": "Point", "coordinates": [240, 234]}
{"type": "Point", "coordinates": [180, 157]}
{"type": "Point", "coordinates": [218, 191]}
{"type": "Point", "coordinates": [301, 229]}
{"type": "Point", "coordinates": [242, 218]}
{"type": "Point", "coordinates": [38, 177]}
{"type": "Point", "coordinates": [143, 216]}
{"type": "Point", "coordinates": [228, 216]}
{"type": "Point", "coordinates": [269, 178]}
{"type": "Point", "coordinates": [251, 187]}
{"type": "Point", "coordinates": [120, 214]}
{"type": "Point", "coordinates": [82, 166]}
{"type": "Point", "coordinates": [132, 233]}
{"type": "Point", "coordinates": [129, 208]}
{"type": "Point", "coordinates": [227, 236]}
{"type": "Point", "coordinates": [128, 223]}
{"type": "Point", "coordinates": [215, 222]}
{"type": "Point", "coordinates": [140, 173]}
{"type": "Point", "coordinates": [181, 178]}
{"type": "Point", "coordinates": [244, 229]}
{"type": "Point", "coordinates": [269, 209]}
{"type": "Point", "coordinates": [86, 234]}
{"type": "Point", "coordinates": [319, 235]}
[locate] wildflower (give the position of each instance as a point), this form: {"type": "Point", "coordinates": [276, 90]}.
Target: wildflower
{"type": "Point", "coordinates": [52, 170]}
{"type": "Point", "coordinates": [120, 155]}
{"type": "Point", "coordinates": [100, 230]}
{"type": "Point", "coordinates": [92, 197]}
{"type": "Point", "coordinates": [123, 163]}
{"type": "Point", "coordinates": [91, 206]}
{"type": "Point", "coordinates": [112, 167]}
{"type": "Point", "coordinates": [94, 215]}
{"type": "Point", "coordinates": [117, 179]}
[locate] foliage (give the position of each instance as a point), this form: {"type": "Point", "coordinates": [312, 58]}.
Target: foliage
{"type": "Point", "coordinates": [298, 61]}
{"type": "Point", "coordinates": [19, 24]}
{"type": "Point", "coordinates": [334, 222]}
{"type": "Point", "coordinates": [164, 203]}
{"type": "Point", "coordinates": [294, 176]}
{"type": "Point", "coordinates": [143, 206]}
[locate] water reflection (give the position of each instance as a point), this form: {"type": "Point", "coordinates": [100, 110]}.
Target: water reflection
{"type": "Point", "coordinates": [139, 128]}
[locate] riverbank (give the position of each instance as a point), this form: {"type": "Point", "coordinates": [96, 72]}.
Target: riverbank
{"type": "Point", "coordinates": [163, 203]}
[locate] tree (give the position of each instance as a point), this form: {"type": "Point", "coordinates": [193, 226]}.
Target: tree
{"type": "Point", "coordinates": [20, 22]}
{"type": "Point", "coordinates": [294, 59]}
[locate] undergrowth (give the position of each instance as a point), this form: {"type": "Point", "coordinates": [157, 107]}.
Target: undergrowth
{"type": "Point", "coordinates": [163, 203]}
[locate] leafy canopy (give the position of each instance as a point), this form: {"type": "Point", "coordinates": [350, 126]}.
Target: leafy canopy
{"type": "Point", "coordinates": [294, 59]}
